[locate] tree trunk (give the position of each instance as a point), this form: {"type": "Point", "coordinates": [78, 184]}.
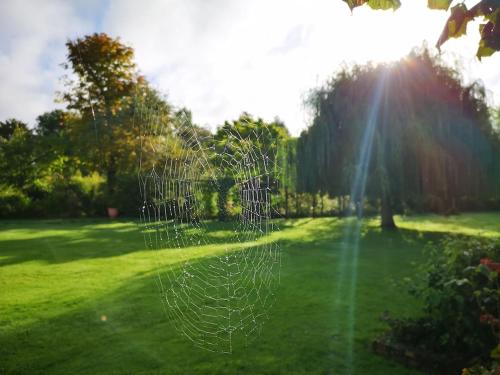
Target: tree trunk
{"type": "Point", "coordinates": [287, 212]}
{"type": "Point", "coordinates": [111, 184]}
{"type": "Point", "coordinates": [386, 214]}
{"type": "Point", "coordinates": [224, 186]}
{"type": "Point", "coordinates": [358, 206]}
{"type": "Point", "coordinates": [111, 177]}
{"type": "Point", "coordinates": [111, 181]}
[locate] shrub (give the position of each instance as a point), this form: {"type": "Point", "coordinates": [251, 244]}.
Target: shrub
{"type": "Point", "coordinates": [459, 285]}
{"type": "Point", "coordinates": [13, 202]}
{"type": "Point", "coordinates": [73, 196]}
{"type": "Point", "coordinates": [127, 197]}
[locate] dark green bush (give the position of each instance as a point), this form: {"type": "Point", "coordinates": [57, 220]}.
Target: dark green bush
{"type": "Point", "coordinates": [67, 199]}
{"type": "Point", "coordinates": [460, 290]}
{"type": "Point", "coordinates": [61, 196]}
{"type": "Point", "coordinates": [127, 196]}
{"type": "Point", "coordinates": [13, 202]}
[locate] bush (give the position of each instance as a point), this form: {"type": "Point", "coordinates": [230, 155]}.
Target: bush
{"type": "Point", "coordinates": [89, 189]}
{"type": "Point", "coordinates": [127, 197]}
{"type": "Point", "coordinates": [459, 286]}
{"type": "Point", "coordinates": [73, 196]}
{"type": "Point", "coordinates": [13, 202]}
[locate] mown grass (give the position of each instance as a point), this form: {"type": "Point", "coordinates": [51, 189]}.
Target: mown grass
{"type": "Point", "coordinates": [80, 297]}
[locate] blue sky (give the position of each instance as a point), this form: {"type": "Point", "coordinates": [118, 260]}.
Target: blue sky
{"type": "Point", "coordinates": [221, 57]}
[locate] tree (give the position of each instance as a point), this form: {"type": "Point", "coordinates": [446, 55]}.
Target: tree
{"type": "Point", "coordinates": [288, 163]}
{"type": "Point", "coordinates": [17, 154]}
{"type": "Point", "coordinates": [51, 123]}
{"type": "Point", "coordinates": [8, 127]}
{"type": "Point", "coordinates": [107, 83]}
{"type": "Point", "coordinates": [408, 134]}
{"type": "Point", "coordinates": [106, 72]}
{"type": "Point", "coordinates": [456, 25]}
{"type": "Point", "coordinates": [243, 150]}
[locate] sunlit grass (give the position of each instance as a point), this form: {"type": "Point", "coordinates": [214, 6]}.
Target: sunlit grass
{"type": "Point", "coordinates": [59, 279]}
{"type": "Point", "coordinates": [484, 224]}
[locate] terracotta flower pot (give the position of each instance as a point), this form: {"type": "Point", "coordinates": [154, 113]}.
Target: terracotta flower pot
{"type": "Point", "coordinates": [113, 212]}
{"type": "Point", "coordinates": [494, 266]}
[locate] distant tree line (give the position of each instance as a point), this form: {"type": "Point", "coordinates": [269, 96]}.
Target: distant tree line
{"type": "Point", "coordinates": [405, 137]}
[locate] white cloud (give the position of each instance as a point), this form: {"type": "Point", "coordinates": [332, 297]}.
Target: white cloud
{"type": "Point", "coordinates": [32, 48]}
{"type": "Point", "coordinates": [222, 57]}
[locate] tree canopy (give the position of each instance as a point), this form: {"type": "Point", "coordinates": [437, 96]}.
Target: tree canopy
{"type": "Point", "coordinates": [107, 83]}
{"type": "Point", "coordinates": [413, 131]}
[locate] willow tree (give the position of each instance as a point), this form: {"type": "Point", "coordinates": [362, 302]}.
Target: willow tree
{"type": "Point", "coordinates": [399, 134]}
{"type": "Point", "coordinates": [288, 164]}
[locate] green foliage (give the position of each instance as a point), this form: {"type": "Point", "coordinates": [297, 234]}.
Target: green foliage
{"type": "Point", "coordinates": [439, 4]}
{"type": "Point", "coordinates": [9, 127]}
{"type": "Point", "coordinates": [460, 294]}
{"type": "Point", "coordinates": [63, 191]}
{"type": "Point", "coordinates": [456, 25]}
{"type": "Point", "coordinates": [235, 139]}
{"type": "Point", "coordinates": [73, 197]}
{"type": "Point", "coordinates": [239, 144]}
{"type": "Point", "coordinates": [433, 141]}
{"type": "Point", "coordinates": [13, 202]}
{"type": "Point", "coordinates": [482, 370]}
{"type": "Point", "coordinates": [460, 16]}
{"type": "Point", "coordinates": [374, 4]}
{"type": "Point", "coordinates": [107, 84]}
{"type": "Point", "coordinates": [18, 156]}
{"type": "Point", "coordinates": [106, 73]}
{"type": "Point", "coordinates": [489, 31]}
{"type": "Point", "coordinates": [126, 196]}
{"type": "Point", "coordinates": [51, 123]}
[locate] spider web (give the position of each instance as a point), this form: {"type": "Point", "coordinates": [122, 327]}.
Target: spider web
{"type": "Point", "coordinates": [217, 290]}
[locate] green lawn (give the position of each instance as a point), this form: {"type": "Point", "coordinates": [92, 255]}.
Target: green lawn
{"type": "Point", "coordinates": [59, 278]}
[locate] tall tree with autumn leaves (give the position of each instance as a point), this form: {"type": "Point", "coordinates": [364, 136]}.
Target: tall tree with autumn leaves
{"type": "Point", "coordinates": [103, 92]}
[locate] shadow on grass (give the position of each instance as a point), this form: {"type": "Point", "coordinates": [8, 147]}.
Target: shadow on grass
{"type": "Point", "coordinates": [305, 333]}
{"type": "Point", "coordinates": [56, 241]}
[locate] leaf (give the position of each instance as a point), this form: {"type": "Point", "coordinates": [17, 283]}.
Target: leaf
{"type": "Point", "coordinates": [374, 4]}
{"type": "Point", "coordinates": [484, 51]}
{"type": "Point", "coordinates": [439, 4]}
{"type": "Point", "coordinates": [384, 4]}
{"type": "Point", "coordinates": [354, 3]}
{"type": "Point", "coordinates": [458, 282]}
{"type": "Point", "coordinates": [485, 8]}
{"type": "Point", "coordinates": [490, 35]}
{"type": "Point", "coordinates": [484, 270]}
{"type": "Point", "coordinates": [456, 25]}
{"type": "Point", "coordinates": [495, 353]}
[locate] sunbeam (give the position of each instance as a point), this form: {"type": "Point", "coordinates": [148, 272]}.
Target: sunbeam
{"type": "Point", "coordinates": [348, 264]}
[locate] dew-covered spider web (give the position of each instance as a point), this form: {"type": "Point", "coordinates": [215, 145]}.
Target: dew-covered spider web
{"type": "Point", "coordinates": [217, 280]}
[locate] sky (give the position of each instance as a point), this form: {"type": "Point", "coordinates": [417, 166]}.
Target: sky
{"type": "Point", "coordinates": [219, 58]}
